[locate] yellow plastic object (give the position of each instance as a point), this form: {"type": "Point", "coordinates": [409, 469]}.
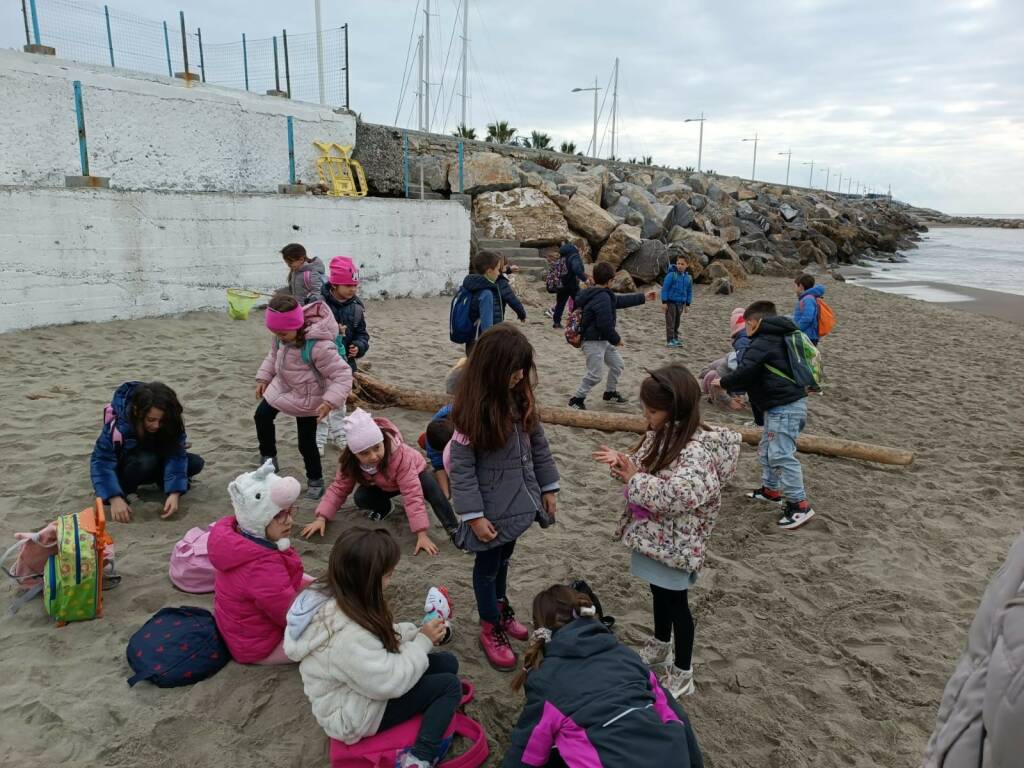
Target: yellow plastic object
{"type": "Point", "coordinates": [241, 302]}
{"type": "Point", "coordinates": [342, 175]}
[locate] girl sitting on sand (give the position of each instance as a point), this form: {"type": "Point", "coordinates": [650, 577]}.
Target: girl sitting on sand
{"type": "Point", "coordinates": [142, 441]}
{"type": "Point", "coordinates": [502, 475]}
{"type": "Point", "coordinates": [378, 461]}
{"type": "Point", "coordinates": [579, 681]}
{"type": "Point", "coordinates": [304, 376]}
{"type": "Point", "coordinates": [257, 572]}
{"type": "Point", "coordinates": [362, 672]}
{"type": "Point", "coordinates": [673, 493]}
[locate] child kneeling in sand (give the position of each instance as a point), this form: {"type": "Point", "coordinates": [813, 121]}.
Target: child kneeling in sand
{"type": "Point", "coordinates": [673, 492]}
{"type": "Point", "coordinates": [378, 460]}
{"type": "Point", "coordinates": [258, 572]}
{"type": "Point", "coordinates": [362, 672]}
{"type": "Point", "coordinates": [579, 681]}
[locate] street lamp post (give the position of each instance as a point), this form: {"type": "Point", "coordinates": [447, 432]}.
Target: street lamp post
{"type": "Point", "coordinates": [827, 173]}
{"type": "Point", "coordinates": [700, 141]}
{"type": "Point", "coordinates": [789, 158]}
{"type": "Point", "coordinates": [595, 89]}
{"type": "Point", "coordinates": [810, 179]}
{"type": "Point", "coordinates": [753, 170]}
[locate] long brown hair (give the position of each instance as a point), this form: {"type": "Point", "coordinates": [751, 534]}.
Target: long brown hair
{"type": "Point", "coordinates": [484, 406]}
{"type": "Point", "coordinates": [552, 609]}
{"type": "Point", "coordinates": [675, 390]}
{"type": "Point", "coordinates": [283, 302]}
{"type": "Point", "coordinates": [349, 463]}
{"type": "Point", "coordinates": [359, 561]}
{"type": "Point", "coordinates": [156, 394]}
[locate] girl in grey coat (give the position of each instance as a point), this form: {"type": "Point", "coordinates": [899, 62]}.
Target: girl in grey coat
{"type": "Point", "coordinates": [502, 475]}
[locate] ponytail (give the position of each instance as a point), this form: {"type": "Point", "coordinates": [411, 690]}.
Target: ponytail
{"type": "Point", "coordinates": [552, 609]}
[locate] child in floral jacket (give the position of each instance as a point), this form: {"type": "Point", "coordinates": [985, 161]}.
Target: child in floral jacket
{"type": "Point", "coordinates": [673, 481]}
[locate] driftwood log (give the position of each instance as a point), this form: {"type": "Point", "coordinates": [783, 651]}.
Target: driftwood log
{"type": "Point", "coordinates": [375, 392]}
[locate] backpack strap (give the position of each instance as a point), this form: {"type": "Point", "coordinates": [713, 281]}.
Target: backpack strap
{"type": "Point", "coordinates": [777, 372]}
{"type": "Point", "coordinates": [110, 417]}
{"type": "Point", "coordinates": [25, 597]}
{"type": "Point", "coordinates": [473, 732]}
{"type": "Point", "coordinates": [16, 547]}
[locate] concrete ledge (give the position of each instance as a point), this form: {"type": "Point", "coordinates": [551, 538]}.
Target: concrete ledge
{"type": "Point", "coordinates": [189, 77]}
{"type": "Point", "coordinates": [87, 182]}
{"type": "Point", "coordinates": [44, 50]}
{"type": "Point", "coordinates": [291, 189]}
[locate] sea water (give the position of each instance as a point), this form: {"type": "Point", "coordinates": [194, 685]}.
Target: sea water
{"type": "Point", "coordinates": [992, 259]}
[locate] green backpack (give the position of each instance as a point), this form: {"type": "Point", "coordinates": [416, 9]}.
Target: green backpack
{"type": "Point", "coordinates": [804, 361]}
{"type": "Point", "coordinates": [307, 349]}
{"type": "Point", "coordinates": [73, 576]}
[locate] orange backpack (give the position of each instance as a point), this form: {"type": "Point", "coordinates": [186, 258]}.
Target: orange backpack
{"type": "Point", "coordinates": [826, 319]}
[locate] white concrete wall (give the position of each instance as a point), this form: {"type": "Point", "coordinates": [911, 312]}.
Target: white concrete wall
{"type": "Point", "coordinates": [95, 255]}
{"type": "Point", "coordinates": [151, 132]}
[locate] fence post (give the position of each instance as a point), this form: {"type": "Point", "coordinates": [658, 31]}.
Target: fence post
{"type": "Point", "coordinates": [35, 20]}
{"type": "Point", "coordinates": [245, 62]}
{"type": "Point", "coordinates": [346, 68]}
{"type": "Point", "coordinates": [83, 152]}
{"type": "Point", "coordinates": [184, 44]}
{"type": "Point", "coordinates": [287, 71]}
{"type": "Point", "coordinates": [461, 184]}
{"type": "Point", "coordinates": [405, 162]}
{"type": "Point", "coordinates": [24, 14]}
{"type": "Point", "coordinates": [110, 40]}
{"type": "Point", "coordinates": [167, 48]}
{"type": "Point", "coordinates": [277, 71]}
{"type": "Point", "coordinates": [291, 152]}
{"type": "Point", "coordinates": [202, 64]}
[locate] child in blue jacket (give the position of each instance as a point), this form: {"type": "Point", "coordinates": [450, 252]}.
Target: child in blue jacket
{"type": "Point", "coordinates": [805, 313]}
{"type": "Point", "coordinates": [676, 296]}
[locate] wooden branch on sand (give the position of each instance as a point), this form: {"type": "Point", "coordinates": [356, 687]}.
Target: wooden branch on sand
{"type": "Point", "coordinates": [377, 393]}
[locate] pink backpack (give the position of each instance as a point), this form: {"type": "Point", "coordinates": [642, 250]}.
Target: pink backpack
{"type": "Point", "coordinates": [32, 551]}
{"type": "Point", "coordinates": [381, 750]}
{"type": "Point", "coordinates": [191, 570]}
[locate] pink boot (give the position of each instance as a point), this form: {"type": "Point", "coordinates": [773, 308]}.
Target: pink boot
{"type": "Point", "coordinates": [508, 622]}
{"type": "Point", "coordinates": [496, 647]}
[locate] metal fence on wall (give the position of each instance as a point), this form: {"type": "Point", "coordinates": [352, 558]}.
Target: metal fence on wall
{"type": "Point", "coordinates": [287, 63]}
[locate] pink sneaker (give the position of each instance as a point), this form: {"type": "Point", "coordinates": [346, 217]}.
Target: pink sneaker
{"type": "Point", "coordinates": [496, 647]}
{"type": "Point", "coordinates": [512, 627]}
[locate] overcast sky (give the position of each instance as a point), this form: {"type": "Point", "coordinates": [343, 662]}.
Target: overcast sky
{"type": "Point", "coordinates": [925, 95]}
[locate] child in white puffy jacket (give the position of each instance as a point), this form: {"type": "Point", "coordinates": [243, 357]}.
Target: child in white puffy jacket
{"type": "Point", "coordinates": [362, 672]}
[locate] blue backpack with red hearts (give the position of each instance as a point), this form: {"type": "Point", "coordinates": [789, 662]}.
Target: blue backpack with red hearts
{"type": "Point", "coordinates": [177, 646]}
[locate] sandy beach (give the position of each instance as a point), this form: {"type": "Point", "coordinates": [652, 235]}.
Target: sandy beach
{"type": "Point", "coordinates": [828, 646]}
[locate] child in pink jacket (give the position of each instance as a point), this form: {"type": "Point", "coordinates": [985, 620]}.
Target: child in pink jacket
{"type": "Point", "coordinates": [303, 375]}
{"type": "Point", "coordinates": [378, 460]}
{"type": "Point", "coordinates": [257, 571]}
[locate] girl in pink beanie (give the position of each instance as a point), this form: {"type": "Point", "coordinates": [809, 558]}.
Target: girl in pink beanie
{"type": "Point", "coordinates": [379, 465]}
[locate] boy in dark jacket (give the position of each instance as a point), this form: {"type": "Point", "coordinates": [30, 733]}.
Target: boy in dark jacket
{"type": "Point", "coordinates": [600, 338]}
{"type": "Point", "coordinates": [340, 297]}
{"type": "Point", "coordinates": [487, 308]}
{"type": "Point", "coordinates": [780, 407]}
{"type": "Point", "coordinates": [676, 296]}
{"type": "Point", "coordinates": [507, 292]}
{"type": "Point", "coordinates": [574, 275]}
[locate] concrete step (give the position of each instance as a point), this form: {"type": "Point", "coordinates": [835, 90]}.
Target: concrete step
{"type": "Point", "coordinates": [496, 245]}
{"type": "Point", "coordinates": [515, 255]}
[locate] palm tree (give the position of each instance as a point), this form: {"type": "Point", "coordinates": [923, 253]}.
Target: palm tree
{"type": "Point", "coordinates": [464, 133]}
{"type": "Point", "coordinates": [500, 132]}
{"type": "Point", "coordinates": [568, 147]}
{"type": "Point", "coordinates": [648, 160]}
{"type": "Point", "coordinates": [540, 140]}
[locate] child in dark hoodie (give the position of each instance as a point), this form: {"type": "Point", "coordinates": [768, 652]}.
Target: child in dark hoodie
{"type": "Point", "coordinates": [600, 339]}
{"type": "Point", "coordinates": [779, 405]}
{"type": "Point", "coordinates": [305, 276]}
{"type": "Point", "coordinates": [508, 293]}
{"type": "Point", "coordinates": [487, 308]}
{"type": "Point", "coordinates": [805, 313]}
{"type": "Point", "coordinates": [574, 275]}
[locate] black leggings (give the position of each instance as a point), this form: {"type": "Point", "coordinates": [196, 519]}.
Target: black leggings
{"type": "Point", "coordinates": [304, 425]}
{"type": "Point", "coordinates": [372, 498]}
{"type": "Point", "coordinates": [436, 696]}
{"type": "Point", "coordinates": [672, 611]}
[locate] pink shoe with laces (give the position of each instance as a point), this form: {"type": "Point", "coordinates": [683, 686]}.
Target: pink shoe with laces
{"type": "Point", "coordinates": [512, 627]}
{"type": "Point", "coordinates": [496, 647]}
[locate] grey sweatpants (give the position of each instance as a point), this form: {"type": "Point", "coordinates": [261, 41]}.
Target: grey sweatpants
{"type": "Point", "coordinates": [600, 354]}
{"type": "Point", "coordinates": [673, 314]}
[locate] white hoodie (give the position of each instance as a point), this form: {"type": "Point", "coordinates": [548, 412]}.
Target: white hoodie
{"type": "Point", "coordinates": [347, 674]}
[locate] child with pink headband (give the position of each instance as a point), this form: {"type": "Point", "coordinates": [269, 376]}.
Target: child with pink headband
{"type": "Point", "coordinates": [303, 375]}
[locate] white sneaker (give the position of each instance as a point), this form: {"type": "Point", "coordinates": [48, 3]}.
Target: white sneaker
{"type": "Point", "coordinates": [678, 682]}
{"type": "Point", "coordinates": [656, 652]}
{"type": "Point", "coordinates": [407, 759]}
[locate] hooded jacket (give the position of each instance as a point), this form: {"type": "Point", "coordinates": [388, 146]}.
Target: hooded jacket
{"type": "Point", "coordinates": [805, 313]}
{"type": "Point", "coordinates": [351, 315]}
{"type": "Point", "coordinates": [574, 272]}
{"type": "Point", "coordinates": [982, 710]}
{"type": "Point", "coordinates": [254, 585]}
{"type": "Point", "coordinates": [677, 288]}
{"type": "Point", "coordinates": [683, 499]}
{"type": "Point", "coordinates": [106, 456]}
{"type": "Point", "coordinates": [487, 306]}
{"type": "Point", "coordinates": [347, 674]}
{"type": "Point", "coordinates": [505, 486]}
{"type": "Point", "coordinates": [598, 704]}
{"type": "Point", "coordinates": [297, 388]}
{"type": "Point", "coordinates": [403, 475]}
{"type": "Point", "coordinates": [598, 307]}
{"type": "Point", "coordinates": [306, 284]}
{"type": "Point", "coordinates": [766, 390]}
{"type": "Point", "coordinates": [509, 298]}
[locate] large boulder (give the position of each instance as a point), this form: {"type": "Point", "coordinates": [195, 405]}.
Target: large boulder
{"type": "Point", "coordinates": [722, 286]}
{"type": "Point", "coordinates": [711, 246]}
{"type": "Point", "coordinates": [681, 215]}
{"type": "Point", "coordinates": [623, 282]}
{"type": "Point", "coordinates": [609, 196]}
{"type": "Point", "coordinates": [485, 172]}
{"type": "Point", "coordinates": [582, 245]}
{"type": "Point", "coordinates": [746, 193]}
{"type": "Point", "coordinates": [788, 212]}
{"type": "Point", "coordinates": [698, 202]}
{"type": "Point", "coordinates": [535, 180]}
{"type": "Point", "coordinates": [523, 214]}
{"type": "Point", "coordinates": [620, 208]}
{"type": "Point", "coordinates": [435, 173]}
{"type": "Point", "coordinates": [699, 183]}
{"type": "Point", "coordinates": [588, 185]}
{"type": "Point", "coordinates": [622, 242]}
{"type": "Point", "coordinates": [634, 218]}
{"type": "Point", "coordinates": [730, 233]}
{"type": "Point", "coordinates": [589, 218]}
{"type": "Point", "coordinates": [648, 263]}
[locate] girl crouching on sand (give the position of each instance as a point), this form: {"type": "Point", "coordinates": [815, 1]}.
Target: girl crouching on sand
{"type": "Point", "coordinates": [378, 461]}
{"type": "Point", "coordinates": [591, 700]}
{"type": "Point", "coordinates": [362, 672]}
{"type": "Point", "coordinates": [673, 482]}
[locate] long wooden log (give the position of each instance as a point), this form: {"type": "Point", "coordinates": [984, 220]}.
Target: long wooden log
{"type": "Point", "coordinates": [376, 392]}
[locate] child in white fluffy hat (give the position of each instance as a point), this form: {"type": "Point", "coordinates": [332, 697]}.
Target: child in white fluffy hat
{"type": "Point", "coordinates": [258, 572]}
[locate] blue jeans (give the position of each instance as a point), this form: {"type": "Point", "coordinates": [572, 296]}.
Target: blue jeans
{"type": "Point", "coordinates": [779, 464]}
{"type": "Point", "coordinates": [490, 580]}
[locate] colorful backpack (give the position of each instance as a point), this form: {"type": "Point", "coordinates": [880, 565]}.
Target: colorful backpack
{"type": "Point", "coordinates": [826, 319]}
{"type": "Point", "coordinates": [191, 569]}
{"type": "Point", "coordinates": [177, 646]}
{"type": "Point", "coordinates": [461, 328]}
{"type": "Point", "coordinates": [574, 326]}
{"type": "Point", "coordinates": [381, 750]}
{"type": "Point", "coordinates": [74, 573]}
{"type": "Point", "coordinates": [804, 361]}
{"type": "Point", "coordinates": [556, 274]}
{"type": "Point", "coordinates": [307, 350]}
